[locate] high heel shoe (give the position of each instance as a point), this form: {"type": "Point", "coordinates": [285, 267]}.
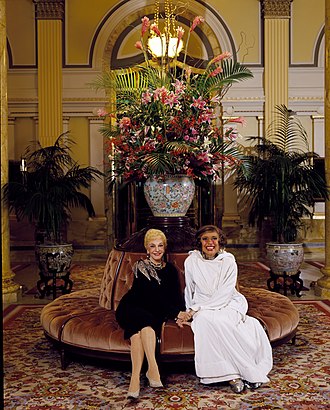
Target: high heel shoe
{"type": "Point", "coordinates": [252, 386]}
{"type": "Point", "coordinates": [237, 385]}
{"type": "Point", "coordinates": [133, 395]}
{"type": "Point", "coordinates": [154, 383]}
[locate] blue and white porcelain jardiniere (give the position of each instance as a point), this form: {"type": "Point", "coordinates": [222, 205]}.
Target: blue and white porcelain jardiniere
{"type": "Point", "coordinates": [169, 195]}
{"type": "Point", "coordinates": [285, 257]}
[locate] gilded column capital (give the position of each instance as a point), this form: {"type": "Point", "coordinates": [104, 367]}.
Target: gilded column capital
{"type": "Point", "coordinates": [276, 8]}
{"type": "Point", "coordinates": [49, 9]}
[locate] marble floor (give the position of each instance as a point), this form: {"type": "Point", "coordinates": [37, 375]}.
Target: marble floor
{"type": "Point", "coordinates": [26, 273]}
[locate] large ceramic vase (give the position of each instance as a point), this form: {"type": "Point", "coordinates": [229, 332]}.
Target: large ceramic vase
{"type": "Point", "coordinates": [169, 195]}
{"type": "Point", "coordinates": [285, 257]}
{"type": "Point", "coordinates": [54, 263]}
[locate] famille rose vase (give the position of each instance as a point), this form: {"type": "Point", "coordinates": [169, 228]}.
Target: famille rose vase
{"type": "Point", "coordinates": [169, 195]}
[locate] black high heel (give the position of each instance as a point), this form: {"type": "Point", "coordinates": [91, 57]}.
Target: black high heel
{"type": "Point", "coordinates": [252, 386]}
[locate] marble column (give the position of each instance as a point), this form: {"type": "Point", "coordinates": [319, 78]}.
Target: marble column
{"type": "Point", "coordinates": [96, 160]}
{"type": "Point", "coordinates": [276, 15]}
{"type": "Point", "coordinates": [11, 138]}
{"type": "Point", "coordinates": [323, 284]}
{"type": "Point", "coordinates": [49, 15]}
{"type": "Point", "coordinates": [9, 287]}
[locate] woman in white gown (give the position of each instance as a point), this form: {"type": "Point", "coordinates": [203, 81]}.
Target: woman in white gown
{"type": "Point", "coordinates": [229, 345]}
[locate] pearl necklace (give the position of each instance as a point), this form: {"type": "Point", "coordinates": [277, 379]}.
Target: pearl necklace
{"type": "Point", "coordinates": [157, 266]}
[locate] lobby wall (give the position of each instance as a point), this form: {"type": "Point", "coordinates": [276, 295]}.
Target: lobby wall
{"type": "Point", "coordinates": [91, 29]}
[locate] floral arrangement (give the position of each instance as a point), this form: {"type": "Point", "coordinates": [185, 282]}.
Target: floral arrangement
{"type": "Point", "coordinates": [167, 119]}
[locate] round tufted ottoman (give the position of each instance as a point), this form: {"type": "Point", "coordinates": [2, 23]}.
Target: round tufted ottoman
{"type": "Point", "coordinates": [84, 323]}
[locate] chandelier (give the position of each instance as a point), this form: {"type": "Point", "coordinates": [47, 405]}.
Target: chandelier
{"type": "Point", "coordinates": [166, 44]}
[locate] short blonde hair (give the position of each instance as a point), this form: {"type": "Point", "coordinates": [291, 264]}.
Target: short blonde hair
{"type": "Point", "coordinates": [152, 234]}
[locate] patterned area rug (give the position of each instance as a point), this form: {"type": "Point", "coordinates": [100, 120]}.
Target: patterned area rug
{"type": "Point", "coordinates": [83, 276]}
{"type": "Point", "coordinates": [33, 378]}
{"type": "Point", "coordinates": [253, 274]}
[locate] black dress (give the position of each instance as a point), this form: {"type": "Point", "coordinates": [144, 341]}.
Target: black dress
{"type": "Point", "coordinates": [150, 303]}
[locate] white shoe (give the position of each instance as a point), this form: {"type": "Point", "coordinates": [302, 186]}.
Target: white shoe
{"type": "Point", "coordinates": [133, 394]}
{"type": "Point", "coordinates": [237, 385]}
{"type": "Point", "coordinates": [154, 383]}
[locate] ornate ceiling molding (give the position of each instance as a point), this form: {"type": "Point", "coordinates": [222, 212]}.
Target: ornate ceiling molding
{"type": "Point", "coordinates": [276, 8]}
{"type": "Point", "coordinates": [49, 9]}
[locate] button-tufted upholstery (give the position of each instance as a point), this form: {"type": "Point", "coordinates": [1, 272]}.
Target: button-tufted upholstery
{"type": "Point", "coordinates": [84, 321]}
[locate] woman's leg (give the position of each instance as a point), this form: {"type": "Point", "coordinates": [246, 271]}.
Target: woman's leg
{"type": "Point", "coordinates": [148, 337]}
{"type": "Point", "coordinates": [137, 356]}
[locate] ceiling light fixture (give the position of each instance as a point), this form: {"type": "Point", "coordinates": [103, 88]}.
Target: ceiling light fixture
{"type": "Point", "coordinates": [165, 44]}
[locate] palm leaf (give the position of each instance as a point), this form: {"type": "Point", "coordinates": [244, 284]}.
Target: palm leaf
{"type": "Point", "coordinates": [280, 182]}
{"type": "Point", "coordinates": [158, 163]}
{"type": "Point", "coordinates": [232, 72]}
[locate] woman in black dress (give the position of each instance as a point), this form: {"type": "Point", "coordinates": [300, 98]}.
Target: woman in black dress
{"type": "Point", "coordinates": [154, 297]}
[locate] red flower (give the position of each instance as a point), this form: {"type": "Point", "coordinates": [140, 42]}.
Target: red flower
{"type": "Point", "coordinates": [196, 22]}
{"type": "Point", "coordinates": [220, 57]}
{"type": "Point", "coordinates": [145, 25]}
{"type": "Point", "coordinates": [216, 72]}
{"type": "Point", "coordinates": [155, 29]}
{"type": "Point", "coordinates": [125, 123]}
{"type": "Point", "coordinates": [139, 45]}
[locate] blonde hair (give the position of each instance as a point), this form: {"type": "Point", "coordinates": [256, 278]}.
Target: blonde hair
{"type": "Point", "coordinates": [152, 234]}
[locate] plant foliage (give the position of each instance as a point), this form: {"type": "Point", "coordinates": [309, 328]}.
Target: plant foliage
{"type": "Point", "coordinates": [167, 119]}
{"type": "Point", "coordinates": [279, 179]}
{"type": "Point", "coordinates": [50, 187]}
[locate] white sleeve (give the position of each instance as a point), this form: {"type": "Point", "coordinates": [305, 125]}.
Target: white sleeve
{"type": "Point", "coordinates": [190, 288]}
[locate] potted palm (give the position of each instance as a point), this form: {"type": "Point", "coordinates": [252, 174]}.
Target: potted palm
{"type": "Point", "coordinates": [281, 184]}
{"type": "Point", "coordinates": [48, 187]}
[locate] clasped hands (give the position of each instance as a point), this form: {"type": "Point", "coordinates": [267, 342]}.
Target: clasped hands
{"type": "Point", "coordinates": [184, 317]}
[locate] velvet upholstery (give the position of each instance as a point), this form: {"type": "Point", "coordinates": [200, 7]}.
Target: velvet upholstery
{"type": "Point", "coordinates": [84, 321]}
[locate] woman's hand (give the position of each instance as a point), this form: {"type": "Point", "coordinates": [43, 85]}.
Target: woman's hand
{"type": "Point", "coordinates": [184, 317]}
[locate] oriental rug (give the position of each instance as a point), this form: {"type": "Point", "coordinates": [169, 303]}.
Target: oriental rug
{"type": "Point", "coordinates": [83, 276]}
{"type": "Point", "coordinates": [33, 379]}
{"type": "Point", "coordinates": [253, 274]}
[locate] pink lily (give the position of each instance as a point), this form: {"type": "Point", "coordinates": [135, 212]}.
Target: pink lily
{"type": "Point", "coordinates": [146, 97]}
{"type": "Point", "coordinates": [179, 86]}
{"type": "Point", "coordinates": [171, 99]}
{"type": "Point", "coordinates": [198, 103]}
{"type": "Point", "coordinates": [161, 94]}
{"type": "Point", "coordinates": [102, 112]}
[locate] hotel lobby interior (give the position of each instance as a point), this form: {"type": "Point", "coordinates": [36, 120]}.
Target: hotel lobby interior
{"type": "Point", "coordinates": [86, 72]}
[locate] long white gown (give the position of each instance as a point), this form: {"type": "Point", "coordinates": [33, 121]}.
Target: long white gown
{"type": "Point", "coordinates": [229, 344]}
